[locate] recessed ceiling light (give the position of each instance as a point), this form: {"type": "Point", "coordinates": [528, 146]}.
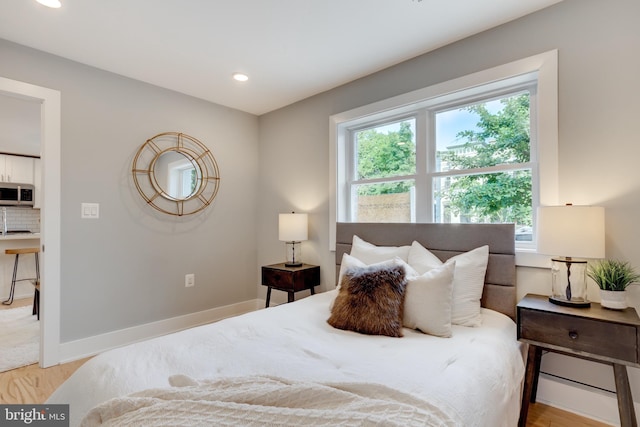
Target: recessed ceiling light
{"type": "Point", "coordinates": [50, 3]}
{"type": "Point", "coordinates": [240, 77]}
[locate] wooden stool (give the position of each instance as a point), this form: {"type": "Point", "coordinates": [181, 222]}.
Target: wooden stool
{"type": "Point", "coordinates": [35, 281]}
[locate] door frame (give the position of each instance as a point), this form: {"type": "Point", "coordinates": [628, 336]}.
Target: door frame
{"type": "Point", "coordinates": [50, 126]}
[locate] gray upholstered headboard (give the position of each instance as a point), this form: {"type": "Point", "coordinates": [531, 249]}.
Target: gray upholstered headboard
{"type": "Point", "coordinates": [445, 241]}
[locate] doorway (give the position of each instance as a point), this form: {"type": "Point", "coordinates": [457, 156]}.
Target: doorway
{"type": "Point", "coordinates": [50, 124]}
{"type": "Point", "coordinates": [20, 123]}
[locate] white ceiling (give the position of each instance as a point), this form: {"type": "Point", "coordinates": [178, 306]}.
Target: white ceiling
{"type": "Point", "coordinates": [291, 49]}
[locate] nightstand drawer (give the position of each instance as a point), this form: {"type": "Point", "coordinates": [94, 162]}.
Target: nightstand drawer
{"type": "Point", "coordinates": [278, 278]}
{"type": "Point", "coordinates": [291, 279]}
{"type": "Point", "coordinates": [582, 335]}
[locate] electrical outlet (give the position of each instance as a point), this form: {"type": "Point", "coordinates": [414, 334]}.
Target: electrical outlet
{"type": "Point", "coordinates": [189, 280]}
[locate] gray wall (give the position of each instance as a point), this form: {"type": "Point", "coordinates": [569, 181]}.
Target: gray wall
{"type": "Point", "coordinates": [128, 267]}
{"type": "Point", "coordinates": [599, 146]}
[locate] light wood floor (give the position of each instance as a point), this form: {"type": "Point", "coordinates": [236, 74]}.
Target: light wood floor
{"type": "Point", "coordinates": [34, 385]}
{"type": "Point", "coordinates": [17, 303]}
{"type": "Point", "coordinates": [547, 416]}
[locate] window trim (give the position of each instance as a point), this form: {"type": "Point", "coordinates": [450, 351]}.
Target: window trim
{"type": "Point", "coordinates": [546, 67]}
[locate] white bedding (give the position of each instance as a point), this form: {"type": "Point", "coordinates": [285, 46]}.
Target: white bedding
{"type": "Point", "coordinates": [473, 377]}
{"type": "Point", "coordinates": [259, 401]}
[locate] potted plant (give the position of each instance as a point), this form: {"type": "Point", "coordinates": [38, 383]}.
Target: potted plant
{"type": "Point", "coordinates": [612, 277]}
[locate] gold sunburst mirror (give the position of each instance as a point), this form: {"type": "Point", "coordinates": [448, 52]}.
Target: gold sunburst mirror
{"type": "Point", "coordinates": [176, 174]}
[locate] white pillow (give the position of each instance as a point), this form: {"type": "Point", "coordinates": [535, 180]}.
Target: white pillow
{"type": "Point", "coordinates": [421, 259]}
{"type": "Point", "coordinates": [468, 280]}
{"type": "Point", "coordinates": [370, 253]}
{"type": "Point", "coordinates": [428, 300]}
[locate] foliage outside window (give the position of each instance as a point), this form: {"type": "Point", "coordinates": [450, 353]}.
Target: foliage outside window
{"type": "Point", "coordinates": [500, 140]}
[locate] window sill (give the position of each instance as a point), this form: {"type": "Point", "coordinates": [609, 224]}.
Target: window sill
{"type": "Point", "coordinates": [530, 258]}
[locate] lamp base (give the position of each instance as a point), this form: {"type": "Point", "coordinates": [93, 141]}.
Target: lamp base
{"type": "Point", "coordinates": [570, 303]}
{"type": "Point", "coordinates": [293, 254]}
{"type": "Point", "coordinates": [292, 264]}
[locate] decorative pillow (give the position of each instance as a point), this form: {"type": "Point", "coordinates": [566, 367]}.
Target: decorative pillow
{"type": "Point", "coordinates": [370, 253]}
{"type": "Point", "coordinates": [428, 300]}
{"type": "Point", "coordinates": [370, 301]}
{"type": "Point", "coordinates": [468, 280]}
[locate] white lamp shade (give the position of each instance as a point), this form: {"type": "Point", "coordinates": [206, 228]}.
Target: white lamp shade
{"type": "Point", "coordinates": [571, 231]}
{"type": "Point", "coordinates": [293, 227]}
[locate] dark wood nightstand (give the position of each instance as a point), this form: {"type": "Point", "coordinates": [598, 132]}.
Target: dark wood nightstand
{"type": "Point", "coordinates": [290, 279]}
{"type": "Point", "coordinates": [594, 333]}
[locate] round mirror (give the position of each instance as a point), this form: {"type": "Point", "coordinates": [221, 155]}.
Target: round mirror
{"type": "Point", "coordinates": [176, 174]}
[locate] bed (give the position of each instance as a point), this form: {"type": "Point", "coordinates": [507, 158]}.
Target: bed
{"type": "Point", "coordinates": [286, 365]}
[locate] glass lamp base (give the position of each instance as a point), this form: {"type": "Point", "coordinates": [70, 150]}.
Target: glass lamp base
{"type": "Point", "coordinates": [293, 257]}
{"type": "Point", "coordinates": [569, 282]}
{"type": "Point", "coordinates": [570, 303]}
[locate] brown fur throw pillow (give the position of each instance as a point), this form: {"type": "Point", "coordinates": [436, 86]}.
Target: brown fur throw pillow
{"type": "Point", "coordinates": [370, 301]}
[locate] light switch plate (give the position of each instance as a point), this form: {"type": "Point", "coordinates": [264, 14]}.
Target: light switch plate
{"type": "Point", "coordinates": [90, 211]}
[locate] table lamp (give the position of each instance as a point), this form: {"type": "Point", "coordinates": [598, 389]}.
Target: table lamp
{"type": "Point", "coordinates": [292, 229]}
{"type": "Point", "coordinates": [570, 231]}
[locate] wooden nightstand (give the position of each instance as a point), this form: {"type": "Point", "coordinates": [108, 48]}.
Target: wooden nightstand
{"type": "Point", "coordinates": [290, 279]}
{"type": "Point", "coordinates": [594, 333]}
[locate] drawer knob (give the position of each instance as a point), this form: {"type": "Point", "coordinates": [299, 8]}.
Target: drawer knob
{"type": "Point", "coordinates": [573, 335]}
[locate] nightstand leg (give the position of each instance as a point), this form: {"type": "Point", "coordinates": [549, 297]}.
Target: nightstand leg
{"type": "Point", "coordinates": [530, 382]}
{"type": "Point", "coordinates": [625, 400]}
{"type": "Point", "coordinates": [537, 359]}
{"type": "Point", "coordinates": [290, 297]}
{"type": "Point", "coordinates": [268, 296]}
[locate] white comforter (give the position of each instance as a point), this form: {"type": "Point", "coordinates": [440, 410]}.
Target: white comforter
{"type": "Point", "coordinates": [473, 377]}
{"type": "Point", "coordinates": [259, 401]}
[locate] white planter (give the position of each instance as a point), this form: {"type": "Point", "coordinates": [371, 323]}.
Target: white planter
{"type": "Point", "coordinates": [616, 300]}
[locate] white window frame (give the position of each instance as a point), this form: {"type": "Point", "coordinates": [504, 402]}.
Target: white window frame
{"type": "Point", "coordinates": [544, 66]}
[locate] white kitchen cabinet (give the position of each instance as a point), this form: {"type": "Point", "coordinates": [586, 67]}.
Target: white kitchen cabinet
{"type": "Point", "coordinates": [18, 169]}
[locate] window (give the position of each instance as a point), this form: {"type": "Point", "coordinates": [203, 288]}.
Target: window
{"type": "Point", "coordinates": [482, 148]}
{"type": "Point", "coordinates": [483, 169]}
{"type": "Point", "coordinates": [177, 174]}
{"type": "Point", "coordinates": [382, 183]}
{"type": "Point", "coordinates": [182, 178]}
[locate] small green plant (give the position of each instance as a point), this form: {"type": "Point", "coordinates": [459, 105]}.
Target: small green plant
{"type": "Point", "coordinates": [612, 275]}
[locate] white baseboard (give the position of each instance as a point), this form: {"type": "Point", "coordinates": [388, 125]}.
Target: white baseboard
{"type": "Point", "coordinates": [580, 399]}
{"type": "Point", "coordinates": [85, 347]}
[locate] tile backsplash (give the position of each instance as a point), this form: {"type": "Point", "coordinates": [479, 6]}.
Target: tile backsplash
{"type": "Point", "coordinates": [23, 219]}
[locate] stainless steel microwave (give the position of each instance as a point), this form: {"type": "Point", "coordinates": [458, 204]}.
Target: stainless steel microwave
{"type": "Point", "coordinates": [13, 194]}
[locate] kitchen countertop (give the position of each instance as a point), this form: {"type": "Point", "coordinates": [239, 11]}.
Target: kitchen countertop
{"type": "Point", "coordinates": [20, 236]}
